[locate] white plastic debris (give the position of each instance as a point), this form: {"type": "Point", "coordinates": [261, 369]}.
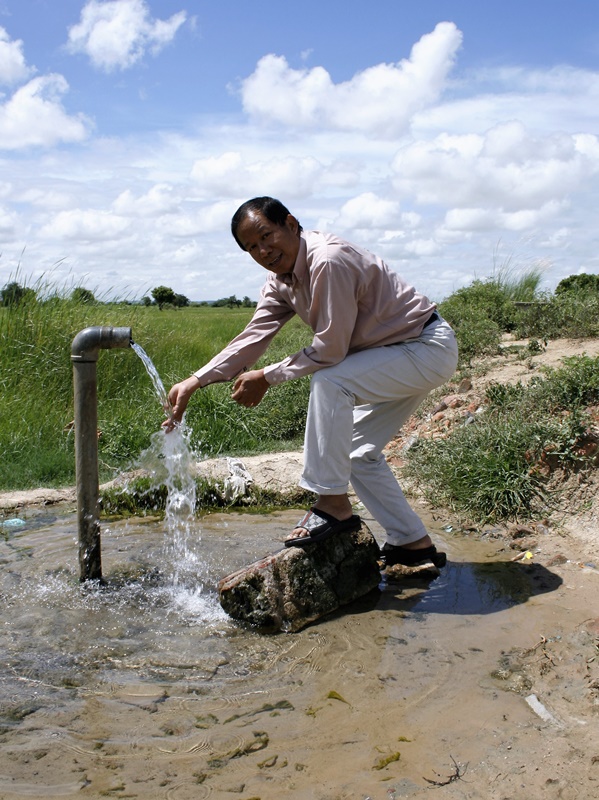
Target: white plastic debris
{"type": "Point", "coordinates": [539, 709]}
{"type": "Point", "coordinates": [239, 480]}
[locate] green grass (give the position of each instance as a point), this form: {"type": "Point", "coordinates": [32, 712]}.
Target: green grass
{"type": "Point", "coordinates": [36, 390]}
{"type": "Point", "coordinates": [492, 469]}
{"type": "Point", "coordinates": [487, 469]}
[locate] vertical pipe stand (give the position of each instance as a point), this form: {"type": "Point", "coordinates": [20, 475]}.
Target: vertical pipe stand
{"type": "Point", "coordinates": [84, 355]}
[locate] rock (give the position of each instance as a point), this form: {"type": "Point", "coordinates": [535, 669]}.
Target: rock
{"type": "Point", "coordinates": [557, 560]}
{"type": "Point", "coordinates": [289, 589]}
{"type": "Point", "coordinates": [397, 571]}
{"type": "Point", "coordinates": [36, 497]}
{"type": "Point", "coordinates": [276, 472]}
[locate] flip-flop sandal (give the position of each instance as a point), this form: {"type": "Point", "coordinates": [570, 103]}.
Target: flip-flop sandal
{"type": "Point", "coordinates": [395, 554]}
{"type": "Point", "coordinates": [320, 526]}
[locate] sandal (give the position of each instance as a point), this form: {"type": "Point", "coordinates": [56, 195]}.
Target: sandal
{"type": "Point", "coordinates": [320, 526]}
{"type": "Point", "coordinates": [392, 554]}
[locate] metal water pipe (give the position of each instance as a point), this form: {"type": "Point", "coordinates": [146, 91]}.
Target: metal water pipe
{"type": "Point", "coordinates": [84, 355]}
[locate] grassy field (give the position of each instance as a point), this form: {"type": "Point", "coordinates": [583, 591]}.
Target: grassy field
{"type": "Point", "coordinates": [483, 469]}
{"type": "Point", "coordinates": [36, 395]}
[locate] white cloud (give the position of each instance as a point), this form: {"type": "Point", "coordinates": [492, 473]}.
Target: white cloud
{"type": "Point", "coordinates": [380, 100]}
{"type": "Point", "coordinates": [369, 211]}
{"type": "Point", "coordinates": [34, 115]}
{"type": "Point", "coordinates": [560, 99]}
{"type": "Point", "coordinates": [507, 168]}
{"type": "Point", "coordinates": [515, 161]}
{"type": "Point", "coordinates": [8, 223]}
{"type": "Point", "coordinates": [118, 33]}
{"type": "Point", "coordinates": [423, 247]}
{"type": "Point", "coordinates": [160, 199]}
{"type": "Point", "coordinates": [486, 219]}
{"type": "Point", "coordinates": [13, 67]}
{"type": "Point", "coordinates": [86, 226]}
{"type": "Point", "coordinates": [231, 175]}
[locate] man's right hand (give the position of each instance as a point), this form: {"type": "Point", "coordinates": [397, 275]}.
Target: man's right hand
{"type": "Point", "coordinates": [178, 398]}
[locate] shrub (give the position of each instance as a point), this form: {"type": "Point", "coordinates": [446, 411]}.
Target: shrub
{"type": "Point", "coordinates": [489, 469]}
{"type": "Point", "coordinates": [570, 314]}
{"type": "Point", "coordinates": [578, 284]}
{"type": "Point", "coordinates": [476, 333]}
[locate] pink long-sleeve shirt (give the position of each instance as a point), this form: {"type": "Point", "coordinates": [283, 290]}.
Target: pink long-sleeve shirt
{"type": "Point", "coordinates": [349, 297]}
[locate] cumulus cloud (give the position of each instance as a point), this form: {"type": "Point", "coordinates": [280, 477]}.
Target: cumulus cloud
{"type": "Point", "coordinates": [379, 101]}
{"type": "Point", "coordinates": [473, 220]}
{"type": "Point", "coordinates": [86, 225]}
{"type": "Point", "coordinates": [507, 168]}
{"type": "Point", "coordinates": [232, 176]}
{"type": "Point", "coordinates": [369, 211]}
{"type": "Point", "coordinates": [13, 67]}
{"type": "Point", "coordinates": [8, 223]}
{"type": "Point", "coordinates": [34, 115]}
{"type": "Point", "coordinates": [117, 34]}
{"type": "Point", "coordinates": [160, 199]}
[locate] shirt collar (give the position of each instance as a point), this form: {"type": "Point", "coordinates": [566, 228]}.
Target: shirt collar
{"type": "Point", "coordinates": [299, 268]}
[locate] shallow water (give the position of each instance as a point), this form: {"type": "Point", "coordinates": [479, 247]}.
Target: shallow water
{"type": "Point", "coordinates": [144, 688]}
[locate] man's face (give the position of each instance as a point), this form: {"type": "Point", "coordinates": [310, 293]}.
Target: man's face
{"type": "Point", "coordinates": [274, 247]}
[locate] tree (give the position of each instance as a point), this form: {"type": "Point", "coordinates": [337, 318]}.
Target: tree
{"type": "Point", "coordinates": [83, 296]}
{"type": "Point", "coordinates": [163, 295]}
{"type": "Point", "coordinates": [181, 301]}
{"type": "Point", "coordinates": [230, 302]}
{"type": "Point", "coordinates": [13, 294]}
{"type": "Point", "coordinates": [146, 301]}
{"type": "Point", "coordinates": [578, 283]}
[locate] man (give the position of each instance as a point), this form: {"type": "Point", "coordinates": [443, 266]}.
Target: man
{"type": "Point", "coordinates": [379, 348]}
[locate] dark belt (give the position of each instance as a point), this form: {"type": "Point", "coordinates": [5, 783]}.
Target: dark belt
{"type": "Point", "coordinates": [434, 317]}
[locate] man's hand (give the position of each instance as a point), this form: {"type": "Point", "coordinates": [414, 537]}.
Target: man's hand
{"type": "Point", "coordinates": [250, 388]}
{"type": "Point", "coordinates": [178, 397]}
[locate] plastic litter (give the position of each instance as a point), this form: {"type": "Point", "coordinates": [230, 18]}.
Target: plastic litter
{"type": "Point", "coordinates": [15, 522]}
{"type": "Point", "coordinates": [238, 482]}
{"type": "Point", "coordinates": [539, 709]}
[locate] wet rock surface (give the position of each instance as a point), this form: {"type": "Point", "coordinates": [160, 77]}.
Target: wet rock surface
{"type": "Point", "coordinates": [289, 589]}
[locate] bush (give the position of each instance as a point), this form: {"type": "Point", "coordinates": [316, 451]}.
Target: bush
{"type": "Point", "coordinates": [489, 469]}
{"type": "Point", "coordinates": [570, 314]}
{"type": "Point", "coordinates": [476, 333]}
{"type": "Point", "coordinates": [578, 284]}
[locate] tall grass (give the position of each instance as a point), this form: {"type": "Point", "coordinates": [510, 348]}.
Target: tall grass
{"type": "Point", "coordinates": [490, 470]}
{"type": "Point", "coordinates": [36, 406]}
{"type": "Point", "coordinates": [485, 310]}
{"type": "Point", "coordinates": [36, 396]}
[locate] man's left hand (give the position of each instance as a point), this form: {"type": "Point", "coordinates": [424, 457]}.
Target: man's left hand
{"type": "Point", "coordinates": [250, 388]}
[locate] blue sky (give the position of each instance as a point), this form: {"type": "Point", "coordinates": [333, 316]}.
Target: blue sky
{"type": "Point", "coordinates": [452, 138]}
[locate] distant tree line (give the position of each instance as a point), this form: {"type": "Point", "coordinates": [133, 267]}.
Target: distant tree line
{"type": "Point", "coordinates": [14, 294]}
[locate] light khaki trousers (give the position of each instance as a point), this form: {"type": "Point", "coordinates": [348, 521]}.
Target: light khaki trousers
{"type": "Point", "coordinates": [357, 406]}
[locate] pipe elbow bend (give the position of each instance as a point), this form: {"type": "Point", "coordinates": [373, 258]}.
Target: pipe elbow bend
{"type": "Point", "coordinates": [88, 342]}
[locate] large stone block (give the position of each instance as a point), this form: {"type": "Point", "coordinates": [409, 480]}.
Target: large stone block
{"type": "Point", "coordinates": [297, 585]}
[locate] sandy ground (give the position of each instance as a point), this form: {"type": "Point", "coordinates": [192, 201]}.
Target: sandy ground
{"type": "Point", "coordinates": [500, 707]}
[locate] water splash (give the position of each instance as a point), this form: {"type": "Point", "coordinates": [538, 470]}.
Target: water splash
{"type": "Point", "coordinates": [170, 461]}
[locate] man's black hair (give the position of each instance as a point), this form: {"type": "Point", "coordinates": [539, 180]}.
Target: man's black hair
{"type": "Point", "coordinates": [272, 209]}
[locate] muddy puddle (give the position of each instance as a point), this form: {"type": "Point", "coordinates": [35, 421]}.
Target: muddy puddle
{"type": "Point", "coordinates": [145, 689]}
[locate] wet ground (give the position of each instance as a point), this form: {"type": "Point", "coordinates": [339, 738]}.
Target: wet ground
{"type": "Point", "coordinates": [145, 689]}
